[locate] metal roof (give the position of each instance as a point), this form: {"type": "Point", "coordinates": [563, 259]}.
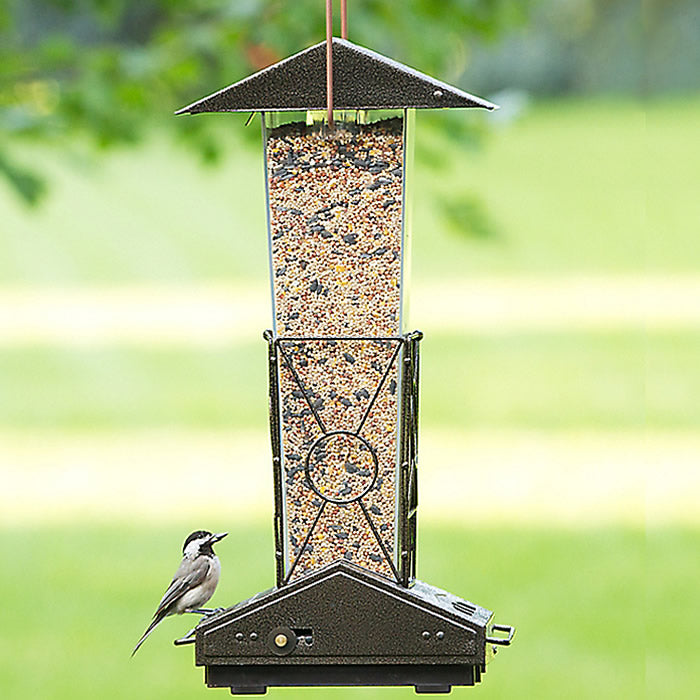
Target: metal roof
{"type": "Point", "coordinates": [362, 79]}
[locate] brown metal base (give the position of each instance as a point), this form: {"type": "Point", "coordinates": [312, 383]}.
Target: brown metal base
{"type": "Point", "coordinates": [255, 680]}
{"type": "Point", "coordinates": [346, 626]}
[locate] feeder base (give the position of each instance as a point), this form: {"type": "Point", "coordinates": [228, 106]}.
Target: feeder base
{"type": "Point", "coordinates": [427, 678]}
{"type": "Point", "coordinates": [346, 626]}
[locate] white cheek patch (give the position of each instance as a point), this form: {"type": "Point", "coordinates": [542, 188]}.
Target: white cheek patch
{"type": "Point", "coordinates": [192, 549]}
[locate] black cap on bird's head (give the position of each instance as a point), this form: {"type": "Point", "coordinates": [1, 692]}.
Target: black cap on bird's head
{"type": "Point", "coordinates": [206, 540]}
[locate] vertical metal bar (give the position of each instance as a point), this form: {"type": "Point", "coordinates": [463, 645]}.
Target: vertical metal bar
{"type": "Point", "coordinates": [413, 480]}
{"type": "Point", "coordinates": [344, 19]}
{"type": "Point", "coordinates": [329, 61]}
{"type": "Point", "coordinates": [276, 457]}
{"type": "Point", "coordinates": [403, 475]}
{"type": "Point", "coordinates": [408, 451]}
{"type": "Point", "coordinates": [416, 403]}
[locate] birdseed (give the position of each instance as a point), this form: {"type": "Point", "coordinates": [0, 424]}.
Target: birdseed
{"type": "Point", "coordinates": [335, 225]}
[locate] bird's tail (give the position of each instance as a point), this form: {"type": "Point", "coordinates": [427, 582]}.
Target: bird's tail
{"type": "Point", "coordinates": [156, 621]}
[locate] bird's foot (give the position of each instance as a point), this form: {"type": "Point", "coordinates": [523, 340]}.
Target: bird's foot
{"type": "Point", "coordinates": [200, 611]}
{"type": "Point", "coordinates": [206, 612]}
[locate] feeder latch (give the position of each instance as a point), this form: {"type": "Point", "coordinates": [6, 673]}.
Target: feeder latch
{"type": "Point", "coordinates": [502, 641]}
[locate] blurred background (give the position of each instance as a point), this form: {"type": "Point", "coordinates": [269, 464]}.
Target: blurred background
{"type": "Point", "coordinates": [556, 275]}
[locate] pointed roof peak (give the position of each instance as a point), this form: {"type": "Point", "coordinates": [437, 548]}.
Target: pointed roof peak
{"type": "Point", "coordinates": [362, 79]}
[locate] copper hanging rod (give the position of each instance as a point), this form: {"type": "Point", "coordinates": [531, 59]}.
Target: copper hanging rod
{"type": "Point", "coordinates": [329, 61]}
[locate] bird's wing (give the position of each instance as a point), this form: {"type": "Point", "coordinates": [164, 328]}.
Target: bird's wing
{"type": "Point", "coordinates": [189, 575]}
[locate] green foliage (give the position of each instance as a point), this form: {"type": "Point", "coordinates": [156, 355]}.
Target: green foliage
{"type": "Point", "coordinates": [28, 185]}
{"type": "Point", "coordinates": [594, 47]}
{"type": "Point", "coordinates": [465, 213]}
{"type": "Point", "coordinates": [110, 69]}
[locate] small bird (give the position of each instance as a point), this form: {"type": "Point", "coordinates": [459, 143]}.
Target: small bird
{"type": "Point", "coordinates": [194, 582]}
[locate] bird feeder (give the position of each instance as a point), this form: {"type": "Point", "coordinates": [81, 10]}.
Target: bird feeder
{"type": "Point", "coordinates": [343, 387]}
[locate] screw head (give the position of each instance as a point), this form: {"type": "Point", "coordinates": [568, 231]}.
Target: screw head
{"type": "Point", "coordinates": [281, 640]}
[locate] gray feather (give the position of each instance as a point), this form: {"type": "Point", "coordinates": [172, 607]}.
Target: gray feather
{"type": "Point", "coordinates": [157, 619]}
{"type": "Point", "coordinates": [190, 574]}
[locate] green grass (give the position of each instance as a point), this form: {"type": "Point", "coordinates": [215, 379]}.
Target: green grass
{"type": "Point", "coordinates": [607, 380]}
{"type": "Point", "coordinates": [117, 387]}
{"type": "Point", "coordinates": [81, 594]}
{"type": "Point", "coordinates": [673, 168]}
{"type": "Point", "coordinates": [564, 186]}
{"type": "Point", "coordinates": [572, 186]}
{"type": "Point", "coordinates": [673, 612]}
{"type": "Point", "coordinates": [599, 186]}
{"type": "Point", "coordinates": [150, 215]}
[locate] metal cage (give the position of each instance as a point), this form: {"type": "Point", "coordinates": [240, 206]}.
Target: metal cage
{"type": "Point", "coordinates": [405, 351]}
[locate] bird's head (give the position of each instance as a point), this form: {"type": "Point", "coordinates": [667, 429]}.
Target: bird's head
{"type": "Point", "coordinates": [200, 542]}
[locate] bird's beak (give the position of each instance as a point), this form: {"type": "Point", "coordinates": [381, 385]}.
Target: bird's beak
{"type": "Point", "coordinates": [219, 536]}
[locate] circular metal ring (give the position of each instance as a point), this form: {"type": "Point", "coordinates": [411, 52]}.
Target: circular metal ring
{"type": "Point", "coordinates": [360, 492]}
